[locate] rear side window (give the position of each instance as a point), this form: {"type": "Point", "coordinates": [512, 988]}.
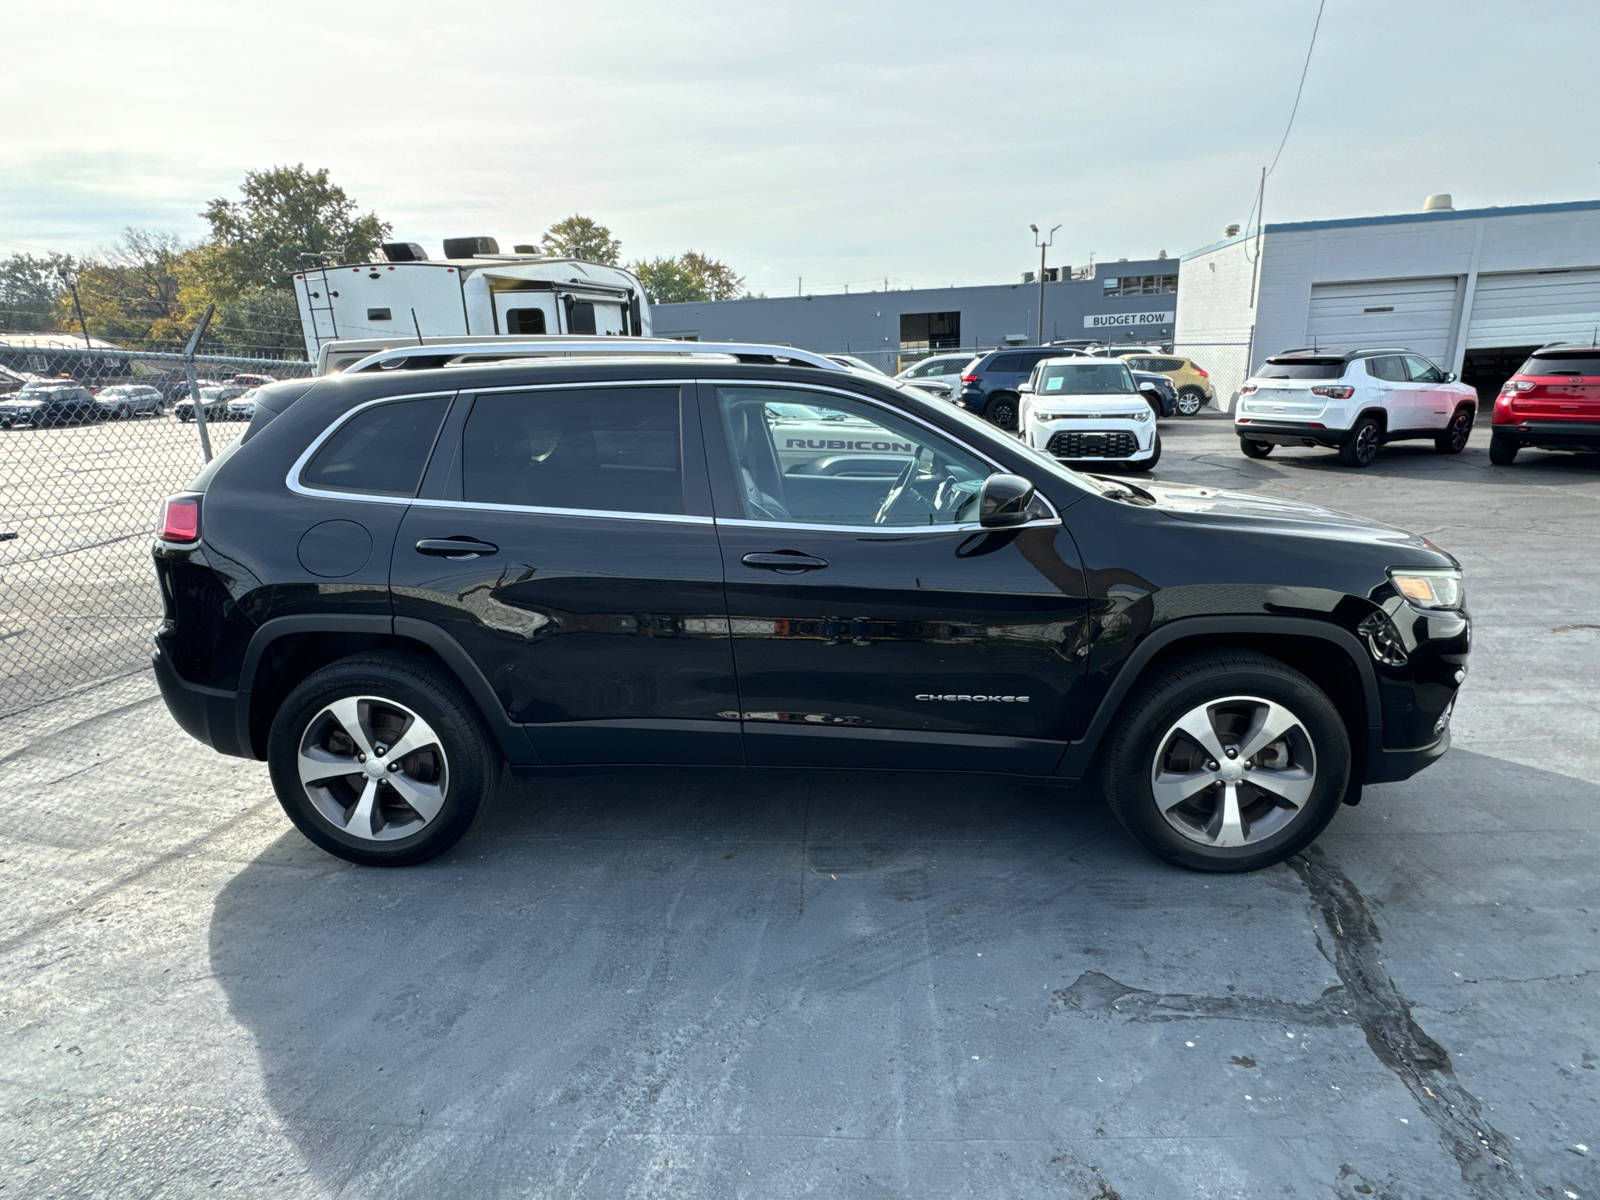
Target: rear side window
{"type": "Point", "coordinates": [607, 449]}
{"type": "Point", "coordinates": [1302, 368]}
{"type": "Point", "coordinates": [1005, 362]}
{"type": "Point", "coordinates": [1391, 367]}
{"type": "Point", "coordinates": [381, 450]}
{"type": "Point", "coordinates": [1562, 364]}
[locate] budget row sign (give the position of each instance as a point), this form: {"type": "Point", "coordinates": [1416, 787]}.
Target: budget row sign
{"type": "Point", "coordinates": [1128, 320]}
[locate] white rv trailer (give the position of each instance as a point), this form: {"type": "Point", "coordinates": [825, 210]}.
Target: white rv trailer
{"type": "Point", "coordinates": [484, 294]}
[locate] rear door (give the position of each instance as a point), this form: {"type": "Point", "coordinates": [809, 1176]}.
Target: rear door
{"type": "Point", "coordinates": [564, 539]}
{"type": "Point", "coordinates": [1389, 387]}
{"type": "Point", "coordinates": [873, 624]}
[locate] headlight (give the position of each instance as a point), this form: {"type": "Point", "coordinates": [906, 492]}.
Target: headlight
{"type": "Point", "coordinates": [1439, 589]}
{"type": "Point", "coordinates": [1141, 416]}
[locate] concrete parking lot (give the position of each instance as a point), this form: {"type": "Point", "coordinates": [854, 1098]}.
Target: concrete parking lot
{"type": "Point", "coordinates": [703, 984]}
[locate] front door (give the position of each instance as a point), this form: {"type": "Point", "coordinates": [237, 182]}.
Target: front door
{"type": "Point", "coordinates": [1435, 402]}
{"type": "Point", "coordinates": [874, 624]}
{"type": "Point", "coordinates": [564, 539]}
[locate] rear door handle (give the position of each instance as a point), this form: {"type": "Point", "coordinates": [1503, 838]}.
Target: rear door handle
{"type": "Point", "coordinates": [459, 549]}
{"type": "Point", "coordinates": [786, 561]}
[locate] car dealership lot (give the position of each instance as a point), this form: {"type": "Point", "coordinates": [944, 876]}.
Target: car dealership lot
{"type": "Point", "coordinates": [725, 984]}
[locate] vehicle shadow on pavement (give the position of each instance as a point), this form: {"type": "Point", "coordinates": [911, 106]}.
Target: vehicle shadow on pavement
{"type": "Point", "coordinates": [716, 983]}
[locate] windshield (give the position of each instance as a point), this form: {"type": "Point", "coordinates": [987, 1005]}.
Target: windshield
{"type": "Point", "coordinates": [1086, 379]}
{"type": "Point", "coordinates": [1562, 364]}
{"type": "Point", "coordinates": [1302, 368]}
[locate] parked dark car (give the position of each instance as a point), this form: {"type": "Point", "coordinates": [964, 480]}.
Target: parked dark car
{"type": "Point", "coordinates": [41, 405]}
{"type": "Point", "coordinates": [989, 384]}
{"type": "Point", "coordinates": [1158, 391]}
{"type": "Point", "coordinates": [397, 580]}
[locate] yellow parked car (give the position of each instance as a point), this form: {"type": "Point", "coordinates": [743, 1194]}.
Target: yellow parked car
{"type": "Point", "coordinates": [1191, 381]}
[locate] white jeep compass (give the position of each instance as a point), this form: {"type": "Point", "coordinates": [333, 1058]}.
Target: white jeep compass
{"type": "Point", "coordinates": [1352, 401]}
{"type": "Point", "coordinates": [1083, 410]}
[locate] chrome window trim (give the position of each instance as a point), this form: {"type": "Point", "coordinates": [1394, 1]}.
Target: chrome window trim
{"type": "Point", "coordinates": [897, 530]}
{"type": "Point", "coordinates": [292, 480]}
{"type": "Point", "coordinates": [540, 511]}
{"type": "Point", "coordinates": [1053, 519]}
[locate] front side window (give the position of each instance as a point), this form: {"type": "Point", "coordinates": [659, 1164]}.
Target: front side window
{"type": "Point", "coordinates": [803, 457]}
{"type": "Point", "coordinates": [603, 449]}
{"type": "Point", "coordinates": [380, 451]}
{"type": "Point", "coordinates": [1423, 371]}
{"type": "Point", "coordinates": [1105, 378]}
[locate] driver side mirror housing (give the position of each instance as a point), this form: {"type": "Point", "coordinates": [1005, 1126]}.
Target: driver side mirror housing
{"type": "Point", "coordinates": [1025, 388]}
{"type": "Point", "coordinates": [1449, 376]}
{"type": "Point", "coordinates": [1004, 500]}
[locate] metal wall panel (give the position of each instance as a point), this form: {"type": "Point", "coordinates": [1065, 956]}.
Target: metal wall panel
{"type": "Point", "coordinates": [1529, 308]}
{"type": "Point", "coordinates": [1415, 313]}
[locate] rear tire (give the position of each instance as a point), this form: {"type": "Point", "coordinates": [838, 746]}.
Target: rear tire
{"type": "Point", "coordinates": [1001, 412]}
{"type": "Point", "coordinates": [1454, 439]}
{"type": "Point", "coordinates": [1360, 446]}
{"type": "Point", "coordinates": [1503, 449]}
{"type": "Point", "coordinates": [1190, 401]}
{"type": "Point", "coordinates": [1255, 449]}
{"type": "Point", "coordinates": [326, 753]}
{"type": "Point", "coordinates": [1281, 796]}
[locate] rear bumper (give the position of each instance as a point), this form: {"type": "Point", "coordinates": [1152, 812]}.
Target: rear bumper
{"type": "Point", "coordinates": [1288, 433]}
{"type": "Point", "coordinates": [205, 714]}
{"type": "Point", "coordinates": [1553, 435]}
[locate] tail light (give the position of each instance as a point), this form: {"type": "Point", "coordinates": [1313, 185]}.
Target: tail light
{"type": "Point", "coordinates": [180, 519]}
{"type": "Point", "coordinates": [969, 379]}
{"type": "Point", "coordinates": [1339, 391]}
{"type": "Point", "coordinates": [1201, 371]}
{"type": "Point", "coordinates": [1513, 386]}
{"type": "Point", "coordinates": [1247, 389]}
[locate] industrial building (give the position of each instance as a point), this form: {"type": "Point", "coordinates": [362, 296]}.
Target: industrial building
{"type": "Point", "coordinates": [1474, 289]}
{"type": "Point", "coordinates": [1120, 301]}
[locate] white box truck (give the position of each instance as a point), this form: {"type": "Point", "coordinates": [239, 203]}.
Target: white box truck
{"type": "Point", "coordinates": [473, 290]}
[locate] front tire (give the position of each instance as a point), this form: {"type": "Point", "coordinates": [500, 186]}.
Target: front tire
{"type": "Point", "coordinates": [1001, 411]}
{"type": "Point", "coordinates": [1454, 439]}
{"type": "Point", "coordinates": [1254, 449]}
{"type": "Point", "coordinates": [1147, 463]}
{"type": "Point", "coordinates": [380, 760]}
{"type": "Point", "coordinates": [1503, 449]}
{"type": "Point", "coordinates": [1361, 446]}
{"type": "Point", "coordinates": [1190, 401]}
{"type": "Point", "coordinates": [1230, 761]}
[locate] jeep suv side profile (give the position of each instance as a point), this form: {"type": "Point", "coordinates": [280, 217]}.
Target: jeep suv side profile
{"type": "Point", "coordinates": [402, 578]}
{"type": "Point", "coordinates": [1353, 401]}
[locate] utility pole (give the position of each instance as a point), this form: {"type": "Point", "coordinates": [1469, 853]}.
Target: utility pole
{"type": "Point", "coordinates": [194, 382]}
{"type": "Point", "coordinates": [72, 286]}
{"type": "Point", "coordinates": [1043, 246]}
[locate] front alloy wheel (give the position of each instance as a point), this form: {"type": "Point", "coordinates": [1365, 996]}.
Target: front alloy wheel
{"type": "Point", "coordinates": [1454, 439]}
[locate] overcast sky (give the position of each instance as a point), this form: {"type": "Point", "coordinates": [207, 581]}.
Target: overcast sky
{"type": "Point", "coordinates": [841, 143]}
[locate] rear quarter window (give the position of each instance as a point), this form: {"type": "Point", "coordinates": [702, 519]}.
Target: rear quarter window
{"type": "Point", "coordinates": [379, 451]}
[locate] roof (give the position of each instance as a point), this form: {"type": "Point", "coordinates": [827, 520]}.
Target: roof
{"type": "Point", "coordinates": [1461, 214]}
{"type": "Point", "coordinates": [52, 341]}
{"type": "Point", "coordinates": [1339, 352]}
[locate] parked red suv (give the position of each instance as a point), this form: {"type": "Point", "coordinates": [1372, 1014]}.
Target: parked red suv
{"type": "Point", "coordinates": [1552, 402]}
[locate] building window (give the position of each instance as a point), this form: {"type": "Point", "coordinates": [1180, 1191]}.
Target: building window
{"type": "Point", "coordinates": [1141, 285]}
{"type": "Point", "coordinates": [930, 331]}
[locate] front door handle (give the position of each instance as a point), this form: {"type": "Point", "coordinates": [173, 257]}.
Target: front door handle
{"type": "Point", "coordinates": [787, 562]}
{"type": "Point", "coordinates": [458, 549]}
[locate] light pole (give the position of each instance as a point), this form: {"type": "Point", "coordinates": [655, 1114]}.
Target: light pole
{"type": "Point", "coordinates": [1043, 246]}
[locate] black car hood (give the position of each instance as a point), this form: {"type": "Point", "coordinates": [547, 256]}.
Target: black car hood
{"type": "Point", "coordinates": [1242, 511]}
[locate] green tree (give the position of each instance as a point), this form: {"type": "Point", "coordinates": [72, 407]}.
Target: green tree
{"type": "Point", "coordinates": [130, 293]}
{"type": "Point", "coordinates": [689, 277]}
{"type": "Point", "coordinates": [31, 289]}
{"type": "Point", "coordinates": [258, 243]}
{"type": "Point", "coordinates": [580, 237]}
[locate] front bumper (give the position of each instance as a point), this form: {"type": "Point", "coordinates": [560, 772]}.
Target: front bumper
{"type": "Point", "coordinates": [1091, 440]}
{"type": "Point", "coordinates": [1288, 433]}
{"type": "Point", "coordinates": [1552, 435]}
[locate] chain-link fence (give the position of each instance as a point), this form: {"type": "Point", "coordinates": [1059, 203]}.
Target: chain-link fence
{"type": "Point", "coordinates": [91, 440]}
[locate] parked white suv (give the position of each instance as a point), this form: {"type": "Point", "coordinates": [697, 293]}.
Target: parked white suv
{"type": "Point", "coordinates": [1082, 410]}
{"type": "Point", "coordinates": [1352, 401]}
{"type": "Point", "coordinates": [942, 371]}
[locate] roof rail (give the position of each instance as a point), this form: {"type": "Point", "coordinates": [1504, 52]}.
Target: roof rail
{"type": "Point", "coordinates": [439, 354]}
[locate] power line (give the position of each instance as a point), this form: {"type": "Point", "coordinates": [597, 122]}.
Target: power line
{"type": "Point", "coordinates": [1303, 72]}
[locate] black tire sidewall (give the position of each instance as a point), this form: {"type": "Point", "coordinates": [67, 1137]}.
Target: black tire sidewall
{"type": "Point", "coordinates": [1502, 449]}
{"type": "Point", "coordinates": [1131, 753]}
{"type": "Point", "coordinates": [995, 404]}
{"type": "Point", "coordinates": [1350, 454]}
{"type": "Point", "coordinates": [421, 689]}
{"type": "Point", "coordinates": [1254, 449]}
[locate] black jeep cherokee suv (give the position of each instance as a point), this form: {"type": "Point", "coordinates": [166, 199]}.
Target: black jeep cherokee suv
{"type": "Point", "coordinates": [398, 580]}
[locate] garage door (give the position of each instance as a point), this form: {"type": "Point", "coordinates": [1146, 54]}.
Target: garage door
{"type": "Point", "coordinates": [1415, 313]}
{"type": "Point", "coordinates": [1529, 308]}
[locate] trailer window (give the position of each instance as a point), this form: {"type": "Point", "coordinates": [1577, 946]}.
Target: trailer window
{"type": "Point", "coordinates": [580, 316]}
{"type": "Point", "coordinates": [525, 320]}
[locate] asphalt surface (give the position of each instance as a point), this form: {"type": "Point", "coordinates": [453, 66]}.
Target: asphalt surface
{"type": "Point", "coordinates": [704, 984]}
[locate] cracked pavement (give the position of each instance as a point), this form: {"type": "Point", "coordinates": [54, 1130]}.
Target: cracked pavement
{"type": "Point", "coordinates": [712, 984]}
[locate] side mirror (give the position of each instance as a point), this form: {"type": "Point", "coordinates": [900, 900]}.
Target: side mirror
{"type": "Point", "coordinates": [1025, 388]}
{"type": "Point", "coordinates": [1004, 501]}
{"type": "Point", "coordinates": [1449, 376]}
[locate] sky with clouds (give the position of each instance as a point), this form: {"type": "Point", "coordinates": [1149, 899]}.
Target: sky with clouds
{"type": "Point", "coordinates": [841, 143]}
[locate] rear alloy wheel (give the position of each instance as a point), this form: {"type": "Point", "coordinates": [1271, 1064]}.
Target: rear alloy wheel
{"type": "Point", "coordinates": [1230, 762]}
{"type": "Point", "coordinates": [1001, 411]}
{"type": "Point", "coordinates": [380, 760]}
{"type": "Point", "coordinates": [1360, 446]}
{"type": "Point", "coordinates": [1454, 439]}
{"type": "Point", "coordinates": [1255, 449]}
{"type": "Point", "coordinates": [1190, 401]}
{"type": "Point", "coordinates": [1503, 449]}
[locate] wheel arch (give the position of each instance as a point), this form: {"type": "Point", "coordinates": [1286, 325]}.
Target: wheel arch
{"type": "Point", "coordinates": [1346, 676]}
{"type": "Point", "coordinates": [284, 650]}
{"type": "Point", "coordinates": [1381, 416]}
